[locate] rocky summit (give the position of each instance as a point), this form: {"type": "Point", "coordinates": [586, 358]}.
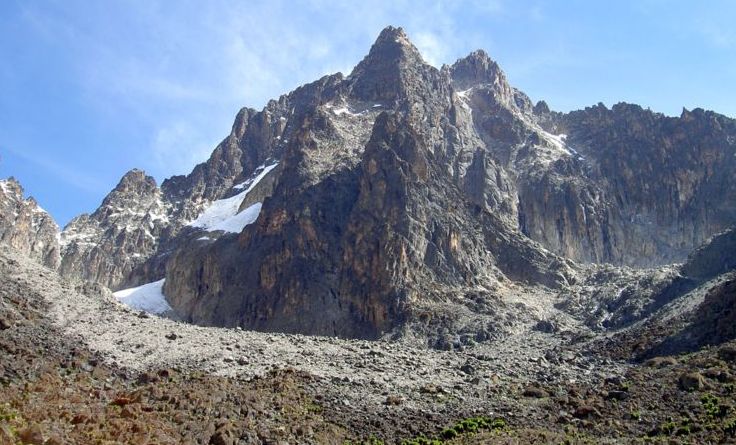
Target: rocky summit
{"type": "Point", "coordinates": [410, 253]}
{"type": "Point", "coordinates": [401, 188]}
{"type": "Point", "coordinates": [25, 226]}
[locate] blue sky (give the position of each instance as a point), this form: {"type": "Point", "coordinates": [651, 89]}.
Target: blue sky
{"type": "Point", "coordinates": [90, 89]}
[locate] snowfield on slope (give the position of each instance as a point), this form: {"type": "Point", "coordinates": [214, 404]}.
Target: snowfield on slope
{"type": "Point", "coordinates": [148, 297]}
{"type": "Point", "coordinates": [223, 214]}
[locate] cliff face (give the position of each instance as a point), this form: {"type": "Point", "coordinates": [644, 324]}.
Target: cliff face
{"type": "Point", "coordinates": [127, 239]}
{"type": "Point", "coordinates": [25, 226]}
{"type": "Point", "coordinates": [354, 253]}
{"type": "Point", "coordinates": [106, 245]}
{"type": "Point", "coordinates": [370, 215]}
{"type": "Point", "coordinates": [345, 206]}
{"type": "Point", "coordinates": [662, 184]}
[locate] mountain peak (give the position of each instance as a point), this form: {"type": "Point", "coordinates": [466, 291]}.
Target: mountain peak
{"type": "Point", "coordinates": [476, 68]}
{"type": "Point", "coordinates": [392, 46]}
{"type": "Point", "coordinates": [393, 34]}
{"type": "Point", "coordinates": [25, 226]}
{"type": "Point", "coordinates": [11, 185]}
{"type": "Point", "coordinates": [379, 75]}
{"type": "Point", "coordinates": [135, 181]}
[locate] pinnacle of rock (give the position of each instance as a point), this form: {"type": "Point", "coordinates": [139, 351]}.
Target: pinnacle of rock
{"type": "Point", "coordinates": [388, 68]}
{"type": "Point", "coordinates": [476, 68]}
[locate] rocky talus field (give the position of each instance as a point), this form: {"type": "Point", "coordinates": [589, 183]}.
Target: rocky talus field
{"type": "Point", "coordinates": [79, 367]}
{"type": "Point", "coordinates": [402, 255]}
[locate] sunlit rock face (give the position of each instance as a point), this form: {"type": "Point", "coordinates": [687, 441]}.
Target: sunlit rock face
{"type": "Point", "coordinates": [27, 227]}
{"type": "Point", "coordinates": [354, 203]}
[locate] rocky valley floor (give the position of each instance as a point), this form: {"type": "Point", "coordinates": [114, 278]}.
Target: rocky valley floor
{"type": "Point", "coordinates": [78, 367]}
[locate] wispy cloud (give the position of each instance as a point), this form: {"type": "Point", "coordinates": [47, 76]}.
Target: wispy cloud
{"type": "Point", "coordinates": [536, 13]}
{"type": "Point", "coordinates": [183, 72]}
{"type": "Point", "coordinates": [432, 49]}
{"type": "Point", "coordinates": [61, 170]}
{"type": "Point", "coordinates": [717, 34]}
{"type": "Point", "coordinates": [179, 145]}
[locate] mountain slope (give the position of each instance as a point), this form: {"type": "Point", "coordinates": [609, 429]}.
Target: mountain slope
{"type": "Point", "coordinates": [106, 245]}
{"type": "Point", "coordinates": [353, 246]}
{"type": "Point", "coordinates": [401, 187]}
{"type": "Point", "coordinates": [27, 227]}
{"type": "Point", "coordinates": [664, 183]}
{"type": "Point", "coordinates": [76, 366]}
{"type": "Point", "coordinates": [690, 307]}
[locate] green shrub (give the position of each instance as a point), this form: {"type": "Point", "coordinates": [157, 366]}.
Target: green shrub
{"type": "Point", "coordinates": [729, 426]}
{"type": "Point", "coordinates": [498, 424]}
{"type": "Point", "coordinates": [7, 413]}
{"type": "Point", "coordinates": [668, 428]}
{"type": "Point", "coordinates": [421, 440]}
{"type": "Point", "coordinates": [710, 405]}
{"type": "Point", "coordinates": [467, 426]}
{"type": "Point", "coordinates": [684, 430]}
{"type": "Point", "coordinates": [449, 433]}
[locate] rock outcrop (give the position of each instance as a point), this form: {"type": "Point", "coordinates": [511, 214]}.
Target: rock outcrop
{"type": "Point", "coordinates": [713, 258]}
{"type": "Point", "coordinates": [665, 310]}
{"type": "Point", "coordinates": [121, 234]}
{"type": "Point", "coordinates": [403, 186]}
{"type": "Point", "coordinates": [661, 185]}
{"type": "Point", "coordinates": [352, 249]}
{"type": "Point", "coordinates": [27, 227]}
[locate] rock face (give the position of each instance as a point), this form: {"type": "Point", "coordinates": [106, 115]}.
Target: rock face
{"type": "Point", "coordinates": [662, 311]}
{"type": "Point", "coordinates": [352, 249]}
{"type": "Point", "coordinates": [715, 257]}
{"type": "Point", "coordinates": [661, 185]}
{"type": "Point", "coordinates": [403, 186]}
{"type": "Point", "coordinates": [27, 227]}
{"type": "Point", "coordinates": [106, 245]}
{"type": "Point", "coordinates": [713, 320]}
{"type": "Point", "coordinates": [613, 297]}
{"type": "Point", "coordinates": [127, 241]}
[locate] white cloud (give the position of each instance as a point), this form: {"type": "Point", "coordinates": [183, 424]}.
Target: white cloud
{"type": "Point", "coordinates": [61, 170]}
{"type": "Point", "coordinates": [182, 73]}
{"type": "Point", "coordinates": [432, 49]}
{"type": "Point", "coordinates": [179, 145]}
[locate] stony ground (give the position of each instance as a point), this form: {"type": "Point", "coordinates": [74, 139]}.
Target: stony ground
{"type": "Point", "coordinates": [77, 367]}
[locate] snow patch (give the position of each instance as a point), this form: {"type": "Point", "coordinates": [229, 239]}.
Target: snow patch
{"type": "Point", "coordinates": [554, 148]}
{"type": "Point", "coordinates": [464, 99]}
{"type": "Point", "coordinates": [223, 213]}
{"type": "Point", "coordinates": [557, 140]}
{"type": "Point", "coordinates": [66, 237]}
{"type": "Point", "coordinates": [585, 214]}
{"type": "Point", "coordinates": [261, 172]}
{"type": "Point", "coordinates": [464, 93]}
{"type": "Point", "coordinates": [344, 110]}
{"type": "Point", "coordinates": [231, 223]}
{"type": "Point", "coordinates": [37, 209]}
{"type": "Point", "coordinates": [148, 297]}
